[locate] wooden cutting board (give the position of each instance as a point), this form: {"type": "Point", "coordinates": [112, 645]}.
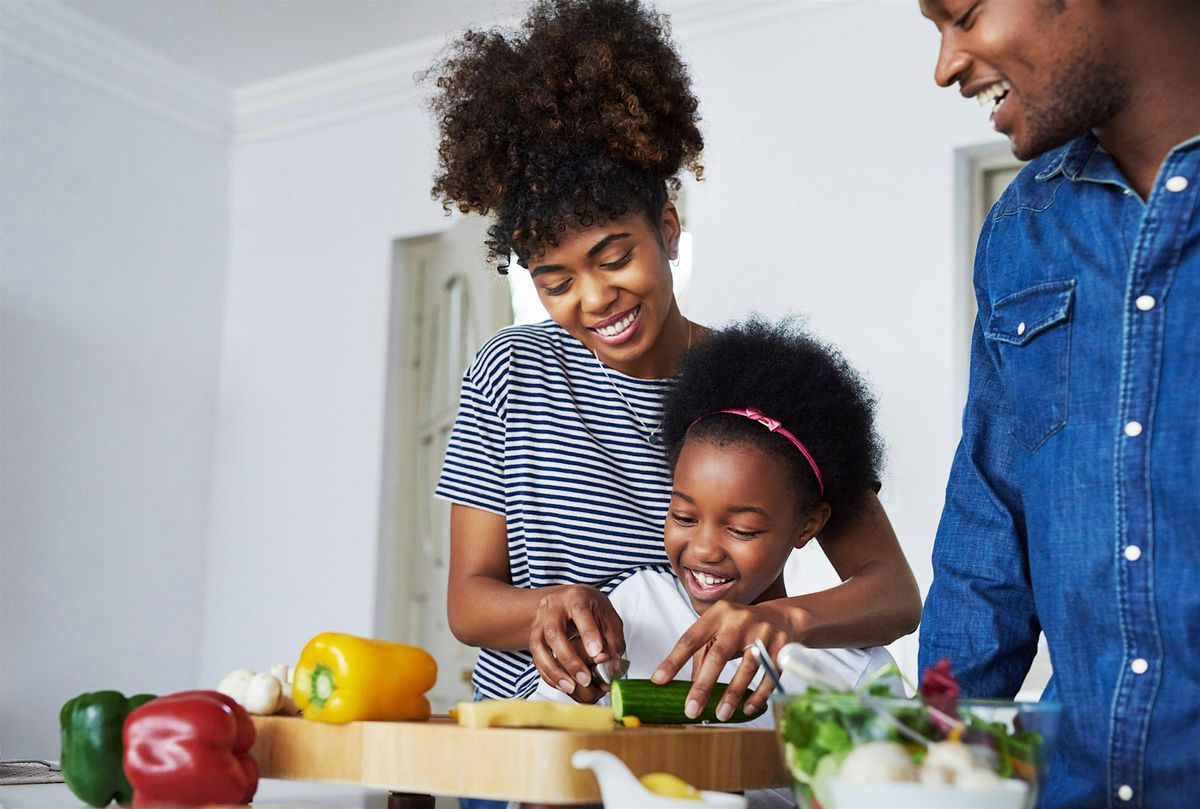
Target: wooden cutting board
{"type": "Point", "coordinates": [522, 764]}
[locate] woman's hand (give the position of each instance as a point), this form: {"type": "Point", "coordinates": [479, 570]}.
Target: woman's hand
{"type": "Point", "coordinates": [583, 694]}
{"type": "Point", "coordinates": [575, 625]}
{"type": "Point", "coordinates": [724, 632]}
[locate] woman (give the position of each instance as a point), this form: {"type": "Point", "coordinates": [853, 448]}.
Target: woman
{"type": "Point", "coordinates": [571, 134]}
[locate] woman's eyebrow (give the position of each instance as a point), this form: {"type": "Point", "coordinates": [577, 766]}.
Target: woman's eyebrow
{"type": "Point", "coordinates": [544, 268]}
{"type": "Point", "coordinates": [606, 241]}
{"type": "Point", "coordinates": [596, 248]}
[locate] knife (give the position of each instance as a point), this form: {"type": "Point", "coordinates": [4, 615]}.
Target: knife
{"type": "Point", "coordinates": [611, 670]}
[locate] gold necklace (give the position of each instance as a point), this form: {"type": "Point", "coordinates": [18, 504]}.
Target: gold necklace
{"type": "Point", "coordinates": [653, 438]}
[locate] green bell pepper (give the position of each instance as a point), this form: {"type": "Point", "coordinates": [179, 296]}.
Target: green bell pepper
{"type": "Point", "coordinates": [91, 745]}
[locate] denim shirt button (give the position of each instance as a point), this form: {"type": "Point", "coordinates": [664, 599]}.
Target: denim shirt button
{"type": "Point", "coordinates": [1133, 553]}
{"type": "Point", "coordinates": [1139, 666]}
{"type": "Point", "coordinates": [1133, 429]}
{"type": "Point", "coordinates": [1020, 328]}
{"type": "Point", "coordinates": [1125, 792]}
{"type": "Point", "coordinates": [1177, 183]}
{"type": "Point", "coordinates": [1145, 302]}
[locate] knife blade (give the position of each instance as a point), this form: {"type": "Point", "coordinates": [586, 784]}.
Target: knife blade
{"type": "Point", "coordinates": [611, 670]}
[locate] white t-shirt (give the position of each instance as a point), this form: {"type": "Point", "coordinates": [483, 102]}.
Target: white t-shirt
{"type": "Point", "coordinates": [656, 611]}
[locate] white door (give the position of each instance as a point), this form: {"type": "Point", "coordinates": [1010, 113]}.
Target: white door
{"type": "Point", "coordinates": [453, 302]}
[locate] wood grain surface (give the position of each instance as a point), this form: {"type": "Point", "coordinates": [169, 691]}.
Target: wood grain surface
{"type": "Point", "coordinates": [523, 764]}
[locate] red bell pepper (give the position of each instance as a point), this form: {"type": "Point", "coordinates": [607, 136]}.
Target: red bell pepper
{"type": "Point", "coordinates": [190, 748]}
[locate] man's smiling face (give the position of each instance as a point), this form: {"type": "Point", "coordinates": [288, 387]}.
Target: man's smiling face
{"type": "Point", "coordinates": [1046, 68]}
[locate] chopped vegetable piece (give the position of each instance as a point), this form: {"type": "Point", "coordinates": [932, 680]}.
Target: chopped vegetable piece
{"type": "Point", "coordinates": [669, 786]}
{"type": "Point", "coordinates": [523, 713]}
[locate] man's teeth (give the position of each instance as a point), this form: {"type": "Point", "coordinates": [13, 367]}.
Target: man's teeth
{"type": "Point", "coordinates": [990, 94]}
{"type": "Point", "coordinates": [707, 580]}
{"type": "Point", "coordinates": [621, 325]}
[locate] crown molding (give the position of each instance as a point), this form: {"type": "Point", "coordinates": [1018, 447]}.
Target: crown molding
{"type": "Point", "coordinates": [52, 36]}
{"type": "Point", "coordinates": [332, 93]}
{"type": "Point", "coordinates": [386, 79]}
{"type": "Point", "coordinates": [48, 34]}
{"type": "Point", "coordinates": [699, 20]}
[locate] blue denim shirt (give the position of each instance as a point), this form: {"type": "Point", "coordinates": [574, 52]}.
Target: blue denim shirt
{"type": "Point", "coordinates": [1072, 506]}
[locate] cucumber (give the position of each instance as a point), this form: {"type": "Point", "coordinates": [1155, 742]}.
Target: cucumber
{"type": "Point", "coordinates": [656, 704]}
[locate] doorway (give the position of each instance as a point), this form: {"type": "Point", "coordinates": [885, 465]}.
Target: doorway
{"type": "Point", "coordinates": [446, 302]}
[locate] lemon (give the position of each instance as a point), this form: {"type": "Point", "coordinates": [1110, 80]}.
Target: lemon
{"type": "Point", "coordinates": [669, 786]}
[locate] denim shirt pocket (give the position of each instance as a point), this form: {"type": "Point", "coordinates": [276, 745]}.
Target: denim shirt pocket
{"type": "Point", "coordinates": [1031, 330]}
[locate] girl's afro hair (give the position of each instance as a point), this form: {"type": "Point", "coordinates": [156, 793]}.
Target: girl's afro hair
{"type": "Point", "coordinates": [584, 115]}
{"type": "Point", "coordinates": [792, 377]}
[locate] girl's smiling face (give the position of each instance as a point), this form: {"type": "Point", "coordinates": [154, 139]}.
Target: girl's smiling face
{"type": "Point", "coordinates": [610, 287]}
{"type": "Point", "coordinates": [735, 516]}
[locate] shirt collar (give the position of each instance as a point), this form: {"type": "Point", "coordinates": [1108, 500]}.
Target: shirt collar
{"type": "Point", "coordinates": [1085, 159]}
{"type": "Point", "coordinates": [1070, 159]}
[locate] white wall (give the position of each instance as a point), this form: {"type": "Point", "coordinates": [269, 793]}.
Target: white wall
{"type": "Point", "coordinates": [113, 226]}
{"type": "Point", "coordinates": [297, 480]}
{"type": "Point", "coordinates": [829, 192]}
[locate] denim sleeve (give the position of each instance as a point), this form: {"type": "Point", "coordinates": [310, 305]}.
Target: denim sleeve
{"type": "Point", "coordinates": [980, 611]}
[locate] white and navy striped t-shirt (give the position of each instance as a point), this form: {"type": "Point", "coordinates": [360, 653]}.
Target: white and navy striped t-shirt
{"type": "Point", "coordinates": [544, 439]}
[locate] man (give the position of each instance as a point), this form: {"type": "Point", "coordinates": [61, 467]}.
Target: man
{"type": "Point", "coordinates": [1072, 505]}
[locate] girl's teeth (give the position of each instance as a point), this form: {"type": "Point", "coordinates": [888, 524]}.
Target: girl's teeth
{"type": "Point", "coordinates": [707, 580]}
{"type": "Point", "coordinates": [620, 326]}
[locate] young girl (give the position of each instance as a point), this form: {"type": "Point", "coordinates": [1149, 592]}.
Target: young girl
{"type": "Point", "coordinates": [769, 434]}
{"type": "Point", "coordinates": [570, 134]}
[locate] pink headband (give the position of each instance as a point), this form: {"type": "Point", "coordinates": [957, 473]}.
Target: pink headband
{"type": "Point", "coordinates": [774, 426]}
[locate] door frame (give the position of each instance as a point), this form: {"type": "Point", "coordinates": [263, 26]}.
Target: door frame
{"type": "Point", "coordinates": [972, 164]}
{"type": "Point", "coordinates": [396, 519]}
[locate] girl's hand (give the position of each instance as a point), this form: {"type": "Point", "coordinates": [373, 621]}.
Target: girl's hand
{"type": "Point", "coordinates": [724, 632]}
{"type": "Point", "coordinates": [575, 625]}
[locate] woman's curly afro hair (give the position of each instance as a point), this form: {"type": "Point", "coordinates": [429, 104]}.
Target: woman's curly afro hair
{"type": "Point", "coordinates": [790, 376]}
{"type": "Point", "coordinates": [584, 115]}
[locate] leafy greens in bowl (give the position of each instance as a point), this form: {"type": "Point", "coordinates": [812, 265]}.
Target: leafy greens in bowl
{"type": "Point", "coordinates": [867, 748]}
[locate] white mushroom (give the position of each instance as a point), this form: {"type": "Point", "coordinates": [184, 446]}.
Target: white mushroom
{"type": "Point", "coordinates": [284, 675]}
{"type": "Point", "coordinates": [262, 695]}
{"type": "Point", "coordinates": [878, 762]}
{"type": "Point", "coordinates": [234, 683]}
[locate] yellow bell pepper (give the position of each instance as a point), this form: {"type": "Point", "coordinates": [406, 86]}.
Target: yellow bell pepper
{"type": "Point", "coordinates": [345, 678]}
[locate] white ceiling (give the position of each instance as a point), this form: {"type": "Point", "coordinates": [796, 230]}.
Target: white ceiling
{"type": "Point", "coordinates": [238, 42]}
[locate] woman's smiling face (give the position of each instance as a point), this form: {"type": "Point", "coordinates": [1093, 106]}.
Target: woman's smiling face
{"type": "Point", "coordinates": [610, 286]}
{"type": "Point", "coordinates": [733, 521]}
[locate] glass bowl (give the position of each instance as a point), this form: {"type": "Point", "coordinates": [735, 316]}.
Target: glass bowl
{"type": "Point", "coordinates": [856, 751]}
